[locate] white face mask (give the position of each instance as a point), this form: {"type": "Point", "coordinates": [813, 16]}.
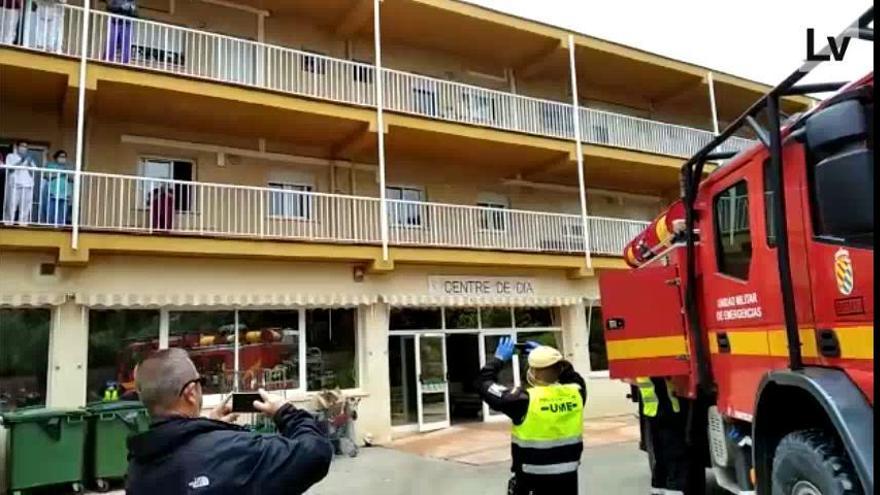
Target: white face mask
{"type": "Point", "coordinates": [62, 160]}
{"type": "Point", "coordinates": [22, 151]}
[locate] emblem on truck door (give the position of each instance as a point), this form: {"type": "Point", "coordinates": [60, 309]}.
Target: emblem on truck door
{"type": "Point", "coordinates": [843, 271]}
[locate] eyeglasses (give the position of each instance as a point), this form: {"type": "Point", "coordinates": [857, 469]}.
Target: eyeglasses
{"type": "Point", "coordinates": [200, 380]}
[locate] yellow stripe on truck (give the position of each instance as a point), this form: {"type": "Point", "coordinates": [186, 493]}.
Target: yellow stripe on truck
{"type": "Point", "coordinates": [855, 342]}
{"type": "Point", "coordinates": [651, 347]}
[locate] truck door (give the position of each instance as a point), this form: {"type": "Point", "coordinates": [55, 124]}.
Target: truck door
{"type": "Point", "coordinates": [838, 155]}
{"type": "Point", "coordinates": [644, 329]}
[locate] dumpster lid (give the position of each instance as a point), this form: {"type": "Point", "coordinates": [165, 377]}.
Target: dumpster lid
{"type": "Point", "coordinates": [116, 405]}
{"type": "Point", "coordinates": [30, 414]}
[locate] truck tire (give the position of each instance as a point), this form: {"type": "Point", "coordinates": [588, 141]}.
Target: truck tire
{"type": "Point", "coordinates": [811, 462]}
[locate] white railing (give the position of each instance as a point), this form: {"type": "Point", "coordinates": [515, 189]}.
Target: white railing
{"type": "Point", "coordinates": [118, 203]}
{"type": "Point", "coordinates": [187, 52]}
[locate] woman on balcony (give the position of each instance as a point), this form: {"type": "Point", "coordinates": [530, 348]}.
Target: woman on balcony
{"type": "Point", "coordinates": [55, 196]}
{"type": "Point", "coordinates": [118, 47]}
{"type": "Point", "coordinates": [10, 15]}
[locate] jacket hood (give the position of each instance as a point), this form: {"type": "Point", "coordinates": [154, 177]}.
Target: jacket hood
{"type": "Point", "coordinates": [167, 435]}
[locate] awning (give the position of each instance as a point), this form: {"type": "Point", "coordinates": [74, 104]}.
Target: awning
{"type": "Point", "coordinates": [31, 299]}
{"type": "Point", "coordinates": [135, 300]}
{"type": "Point", "coordinates": [445, 300]}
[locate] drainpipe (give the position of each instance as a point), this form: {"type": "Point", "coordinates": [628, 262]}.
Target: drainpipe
{"type": "Point", "coordinates": [712, 105]}
{"type": "Point", "coordinates": [580, 152]}
{"type": "Point", "coordinates": [80, 123]}
{"type": "Point", "coordinates": [380, 124]}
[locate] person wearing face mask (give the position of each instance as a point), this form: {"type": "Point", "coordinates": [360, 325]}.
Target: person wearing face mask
{"type": "Point", "coordinates": [19, 186]}
{"type": "Point", "coordinates": [10, 20]}
{"type": "Point", "coordinates": [547, 433]}
{"type": "Point", "coordinates": [184, 453]}
{"type": "Point", "coordinates": [55, 196]}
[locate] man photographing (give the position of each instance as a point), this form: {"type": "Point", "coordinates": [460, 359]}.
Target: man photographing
{"type": "Point", "coordinates": [185, 453]}
{"type": "Point", "coordinates": [547, 433]}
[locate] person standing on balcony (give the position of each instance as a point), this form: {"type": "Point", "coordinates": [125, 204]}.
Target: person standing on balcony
{"type": "Point", "coordinates": [19, 186]}
{"type": "Point", "coordinates": [10, 17]}
{"type": "Point", "coordinates": [119, 29]}
{"type": "Point", "coordinates": [47, 26]}
{"type": "Point", "coordinates": [55, 194]}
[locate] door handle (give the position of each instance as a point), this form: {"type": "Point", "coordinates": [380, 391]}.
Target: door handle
{"type": "Point", "coordinates": [723, 342]}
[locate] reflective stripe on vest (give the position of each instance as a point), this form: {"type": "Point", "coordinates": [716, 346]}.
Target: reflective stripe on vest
{"type": "Point", "coordinates": [650, 403]}
{"type": "Point", "coordinates": [552, 430]}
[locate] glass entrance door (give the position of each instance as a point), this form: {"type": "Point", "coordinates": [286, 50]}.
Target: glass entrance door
{"type": "Point", "coordinates": [509, 373]}
{"type": "Point", "coordinates": [433, 389]}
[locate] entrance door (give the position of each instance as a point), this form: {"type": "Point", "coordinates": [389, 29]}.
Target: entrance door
{"type": "Point", "coordinates": [433, 389]}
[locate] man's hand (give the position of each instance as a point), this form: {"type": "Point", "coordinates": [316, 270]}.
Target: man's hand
{"type": "Point", "coordinates": [223, 412]}
{"type": "Point", "coordinates": [505, 348]}
{"type": "Point", "coordinates": [269, 405]}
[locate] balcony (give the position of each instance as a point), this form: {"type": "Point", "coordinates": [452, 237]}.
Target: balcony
{"type": "Point", "coordinates": [129, 204]}
{"type": "Point", "coordinates": [166, 48]}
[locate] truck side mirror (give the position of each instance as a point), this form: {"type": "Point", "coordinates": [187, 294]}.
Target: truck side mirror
{"type": "Point", "coordinates": [837, 140]}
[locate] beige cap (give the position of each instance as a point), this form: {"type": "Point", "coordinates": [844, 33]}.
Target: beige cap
{"type": "Point", "coordinates": [544, 357]}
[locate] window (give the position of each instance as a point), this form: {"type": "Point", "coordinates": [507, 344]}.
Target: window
{"type": "Point", "coordinates": [289, 200]}
{"type": "Point", "coordinates": [734, 236]}
{"type": "Point", "coordinates": [493, 217]}
{"type": "Point", "coordinates": [24, 357]}
{"type": "Point", "coordinates": [209, 338]}
{"type": "Point", "coordinates": [165, 171]}
{"type": "Point", "coordinates": [118, 341]}
{"type": "Point", "coordinates": [496, 317]}
{"type": "Point", "coordinates": [331, 359]}
{"type": "Point", "coordinates": [481, 108]}
{"type": "Point", "coordinates": [316, 63]}
{"type": "Point", "coordinates": [362, 73]}
{"type": "Point", "coordinates": [425, 97]}
{"type": "Point", "coordinates": [535, 318]}
{"type": "Point", "coordinates": [404, 207]}
{"type": "Point", "coordinates": [598, 351]}
{"type": "Point", "coordinates": [461, 318]}
{"type": "Point", "coordinates": [268, 349]}
{"type": "Point", "coordinates": [415, 319]}
{"type": "Point", "coordinates": [769, 212]}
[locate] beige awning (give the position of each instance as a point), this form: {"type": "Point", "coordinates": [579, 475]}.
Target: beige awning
{"type": "Point", "coordinates": [137, 300]}
{"type": "Point", "coordinates": [445, 300]}
{"type": "Point", "coordinates": [31, 299]}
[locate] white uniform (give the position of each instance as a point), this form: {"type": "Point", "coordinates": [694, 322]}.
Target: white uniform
{"type": "Point", "coordinates": [19, 190]}
{"type": "Point", "coordinates": [46, 26]}
{"type": "Point", "coordinates": [9, 24]}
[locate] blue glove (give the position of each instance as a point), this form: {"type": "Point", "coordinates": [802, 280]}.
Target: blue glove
{"type": "Point", "coordinates": [505, 348]}
{"type": "Point", "coordinates": [531, 345]}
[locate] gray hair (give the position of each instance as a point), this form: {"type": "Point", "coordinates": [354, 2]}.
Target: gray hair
{"type": "Point", "coordinates": [160, 377]}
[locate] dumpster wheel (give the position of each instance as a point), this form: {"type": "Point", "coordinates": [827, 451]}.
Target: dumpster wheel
{"type": "Point", "coordinates": [77, 487]}
{"type": "Point", "coordinates": [102, 485]}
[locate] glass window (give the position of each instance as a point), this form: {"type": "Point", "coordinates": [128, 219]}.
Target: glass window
{"type": "Point", "coordinates": [534, 318]}
{"type": "Point", "coordinates": [24, 357]}
{"type": "Point", "coordinates": [734, 236]}
{"type": "Point", "coordinates": [461, 318]}
{"type": "Point", "coordinates": [288, 200]}
{"type": "Point", "coordinates": [153, 192]}
{"type": "Point", "coordinates": [405, 209]}
{"type": "Point", "coordinates": [553, 339]}
{"type": "Point", "coordinates": [315, 63]}
{"type": "Point", "coordinates": [209, 338]}
{"type": "Point", "coordinates": [415, 319]}
{"type": "Point", "coordinates": [268, 352]}
{"type": "Point", "coordinates": [496, 317]}
{"type": "Point", "coordinates": [331, 359]}
{"type": "Point", "coordinates": [494, 217]}
{"type": "Point", "coordinates": [598, 352]}
{"type": "Point", "coordinates": [769, 212]}
{"type": "Point", "coordinates": [118, 341]}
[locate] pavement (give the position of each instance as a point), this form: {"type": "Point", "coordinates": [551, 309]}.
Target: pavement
{"type": "Point", "coordinates": [475, 459]}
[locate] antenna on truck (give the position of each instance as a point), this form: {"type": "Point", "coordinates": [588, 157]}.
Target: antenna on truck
{"type": "Point", "coordinates": [771, 137]}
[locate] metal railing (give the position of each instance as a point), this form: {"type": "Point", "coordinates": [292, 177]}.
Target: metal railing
{"type": "Point", "coordinates": [119, 203]}
{"type": "Point", "coordinates": [188, 52]}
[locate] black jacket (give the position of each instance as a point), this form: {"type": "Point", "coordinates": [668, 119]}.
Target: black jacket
{"type": "Point", "coordinates": [206, 457]}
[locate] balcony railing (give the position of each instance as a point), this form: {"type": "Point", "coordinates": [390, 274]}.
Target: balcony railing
{"type": "Point", "coordinates": [187, 52]}
{"type": "Point", "coordinates": [119, 203]}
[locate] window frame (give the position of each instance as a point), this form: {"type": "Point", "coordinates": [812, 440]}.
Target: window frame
{"type": "Point", "coordinates": [720, 264]}
{"type": "Point", "coordinates": [307, 205]}
{"type": "Point", "coordinates": [399, 206]}
{"type": "Point", "coordinates": [176, 184]}
{"type": "Point", "coordinates": [488, 218]}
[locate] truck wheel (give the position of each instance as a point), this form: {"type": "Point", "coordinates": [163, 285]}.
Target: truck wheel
{"type": "Point", "coordinates": [811, 462]}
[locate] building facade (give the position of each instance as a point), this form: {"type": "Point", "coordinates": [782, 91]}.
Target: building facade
{"type": "Point", "coordinates": [304, 201]}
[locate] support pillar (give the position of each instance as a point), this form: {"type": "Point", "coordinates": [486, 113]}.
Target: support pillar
{"type": "Point", "coordinates": [713, 106]}
{"type": "Point", "coordinates": [575, 338]}
{"type": "Point", "coordinates": [68, 356]}
{"type": "Point", "coordinates": [374, 418]}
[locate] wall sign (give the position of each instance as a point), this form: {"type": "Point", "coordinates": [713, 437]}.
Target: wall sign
{"type": "Point", "coordinates": [482, 286]}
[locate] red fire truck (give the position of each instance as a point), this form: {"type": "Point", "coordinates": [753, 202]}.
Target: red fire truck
{"type": "Point", "coordinates": [754, 295]}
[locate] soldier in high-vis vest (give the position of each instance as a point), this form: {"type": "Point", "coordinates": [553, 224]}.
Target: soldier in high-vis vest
{"type": "Point", "coordinates": [664, 436]}
{"type": "Point", "coordinates": [547, 434]}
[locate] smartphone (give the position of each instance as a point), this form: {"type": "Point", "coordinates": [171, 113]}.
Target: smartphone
{"type": "Point", "coordinates": [520, 347]}
{"type": "Point", "coordinates": [243, 402]}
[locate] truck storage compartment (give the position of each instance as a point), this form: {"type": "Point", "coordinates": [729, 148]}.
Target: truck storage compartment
{"type": "Point", "coordinates": [644, 322]}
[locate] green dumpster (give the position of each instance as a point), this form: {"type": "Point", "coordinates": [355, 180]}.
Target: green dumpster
{"type": "Point", "coordinates": [110, 425]}
{"type": "Point", "coordinates": [45, 447]}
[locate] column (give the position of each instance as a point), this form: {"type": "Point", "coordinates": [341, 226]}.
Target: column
{"type": "Point", "coordinates": [712, 103]}
{"type": "Point", "coordinates": [374, 416]}
{"type": "Point", "coordinates": [575, 338]}
{"type": "Point", "coordinates": [576, 117]}
{"type": "Point", "coordinates": [380, 127]}
{"type": "Point", "coordinates": [68, 356]}
{"type": "Point", "coordinates": [80, 124]}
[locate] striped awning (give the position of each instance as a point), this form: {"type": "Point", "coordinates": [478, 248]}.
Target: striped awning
{"type": "Point", "coordinates": [31, 299]}
{"type": "Point", "coordinates": [447, 300]}
{"type": "Point", "coordinates": [139, 300]}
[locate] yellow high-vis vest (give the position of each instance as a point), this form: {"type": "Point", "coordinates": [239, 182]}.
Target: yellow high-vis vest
{"type": "Point", "coordinates": [650, 402]}
{"type": "Point", "coordinates": [549, 441]}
